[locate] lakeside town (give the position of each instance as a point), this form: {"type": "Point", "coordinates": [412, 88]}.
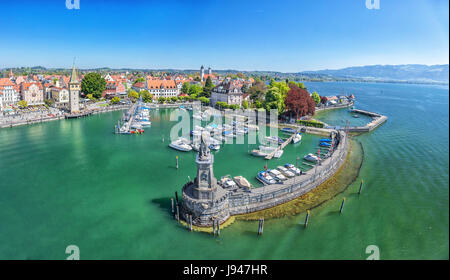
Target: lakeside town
{"type": "Point", "coordinates": [26, 98]}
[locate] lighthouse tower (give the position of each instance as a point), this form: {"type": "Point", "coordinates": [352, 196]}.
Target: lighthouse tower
{"type": "Point", "coordinates": [204, 199]}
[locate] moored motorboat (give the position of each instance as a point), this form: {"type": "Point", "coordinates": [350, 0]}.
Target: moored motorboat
{"type": "Point", "coordinates": [227, 182]}
{"type": "Point", "coordinates": [214, 147]}
{"type": "Point", "coordinates": [311, 158]}
{"type": "Point", "coordinates": [325, 144]}
{"type": "Point", "coordinates": [297, 138]}
{"type": "Point", "coordinates": [181, 144]}
{"type": "Point", "coordinates": [277, 175]}
{"type": "Point", "coordinates": [292, 168]}
{"type": "Point", "coordinates": [288, 130]}
{"type": "Point", "coordinates": [285, 171]}
{"type": "Point", "coordinates": [265, 178]}
{"type": "Point", "coordinates": [242, 182]}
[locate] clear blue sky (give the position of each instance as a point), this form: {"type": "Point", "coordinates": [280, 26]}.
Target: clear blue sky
{"type": "Point", "coordinates": [279, 35]}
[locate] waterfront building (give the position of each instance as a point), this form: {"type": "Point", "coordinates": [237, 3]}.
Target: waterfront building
{"type": "Point", "coordinates": [74, 92]}
{"type": "Point", "coordinates": [228, 92]}
{"type": "Point", "coordinates": [10, 96]}
{"type": "Point", "coordinates": [114, 88]}
{"type": "Point", "coordinates": [162, 88]}
{"type": "Point", "coordinates": [139, 86]}
{"type": "Point", "coordinates": [32, 93]}
{"type": "Point", "coordinates": [60, 96]}
{"type": "Point", "coordinates": [47, 87]}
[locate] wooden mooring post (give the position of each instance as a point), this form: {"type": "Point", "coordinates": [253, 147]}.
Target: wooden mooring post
{"type": "Point", "coordinates": [178, 213]}
{"type": "Point", "coordinates": [360, 187]}
{"type": "Point", "coordinates": [342, 206]}
{"type": "Point", "coordinates": [214, 227]}
{"type": "Point", "coordinates": [176, 197]}
{"type": "Point", "coordinates": [261, 226]}
{"type": "Point", "coordinates": [307, 218]}
{"type": "Point", "coordinates": [190, 222]}
{"type": "Point", "coordinates": [177, 161]}
{"type": "Point", "coordinates": [218, 227]}
{"type": "Point", "coordinates": [173, 205]}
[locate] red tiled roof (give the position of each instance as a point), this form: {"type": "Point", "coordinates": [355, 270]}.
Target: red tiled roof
{"type": "Point", "coordinates": [27, 85]}
{"type": "Point", "coordinates": [6, 82]}
{"type": "Point", "coordinates": [156, 84]}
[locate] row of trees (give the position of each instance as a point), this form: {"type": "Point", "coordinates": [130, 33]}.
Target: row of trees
{"type": "Point", "coordinates": [284, 96]}
{"type": "Point", "coordinates": [198, 89]}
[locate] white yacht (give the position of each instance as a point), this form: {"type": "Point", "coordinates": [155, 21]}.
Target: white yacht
{"type": "Point", "coordinates": [277, 175]}
{"type": "Point", "coordinates": [292, 168]}
{"type": "Point", "coordinates": [181, 144]}
{"type": "Point", "coordinates": [285, 171]}
{"type": "Point", "coordinates": [297, 138]}
{"type": "Point", "coordinates": [311, 157]}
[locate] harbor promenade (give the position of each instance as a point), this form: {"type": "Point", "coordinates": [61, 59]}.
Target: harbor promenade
{"type": "Point", "coordinates": [272, 195]}
{"type": "Point", "coordinates": [205, 212]}
{"type": "Point", "coordinates": [41, 117]}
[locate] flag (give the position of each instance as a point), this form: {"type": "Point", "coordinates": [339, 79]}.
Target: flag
{"type": "Point", "coordinates": [318, 152]}
{"type": "Point", "coordinates": [265, 168]}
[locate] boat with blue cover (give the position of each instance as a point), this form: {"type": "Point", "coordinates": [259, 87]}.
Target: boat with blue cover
{"type": "Point", "coordinates": [325, 144]}
{"type": "Point", "coordinates": [265, 178]}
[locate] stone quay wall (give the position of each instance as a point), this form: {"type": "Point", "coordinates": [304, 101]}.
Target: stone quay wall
{"type": "Point", "coordinates": [273, 195]}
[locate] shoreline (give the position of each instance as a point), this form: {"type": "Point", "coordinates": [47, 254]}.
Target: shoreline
{"type": "Point", "coordinates": [49, 119]}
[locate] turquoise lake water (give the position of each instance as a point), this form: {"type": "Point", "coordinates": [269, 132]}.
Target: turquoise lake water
{"type": "Point", "coordinates": [75, 182]}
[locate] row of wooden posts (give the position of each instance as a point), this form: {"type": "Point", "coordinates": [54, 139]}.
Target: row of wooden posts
{"type": "Point", "coordinates": [341, 209]}
{"type": "Point", "coordinates": [176, 212]}
{"type": "Point", "coordinates": [216, 222]}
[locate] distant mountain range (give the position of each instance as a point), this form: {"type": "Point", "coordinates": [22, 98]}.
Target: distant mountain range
{"type": "Point", "coordinates": [401, 73]}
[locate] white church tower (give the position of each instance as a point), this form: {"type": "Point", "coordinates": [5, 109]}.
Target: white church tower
{"type": "Point", "coordinates": [202, 73]}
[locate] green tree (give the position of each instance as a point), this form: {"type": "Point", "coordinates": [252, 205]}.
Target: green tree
{"type": "Point", "coordinates": [22, 104]}
{"type": "Point", "coordinates": [257, 91]}
{"type": "Point", "coordinates": [139, 80]}
{"type": "Point", "coordinates": [275, 100]}
{"type": "Point", "coordinates": [315, 96]}
{"type": "Point", "coordinates": [115, 100]}
{"type": "Point", "coordinates": [207, 89]}
{"type": "Point", "coordinates": [133, 95]}
{"type": "Point", "coordinates": [161, 99]}
{"type": "Point", "coordinates": [49, 102]}
{"type": "Point", "coordinates": [195, 89]}
{"type": "Point", "coordinates": [221, 105]}
{"type": "Point", "coordinates": [204, 100]}
{"type": "Point", "coordinates": [94, 84]}
{"type": "Point", "coordinates": [146, 96]}
{"type": "Point", "coordinates": [185, 88]}
{"type": "Point", "coordinates": [245, 104]}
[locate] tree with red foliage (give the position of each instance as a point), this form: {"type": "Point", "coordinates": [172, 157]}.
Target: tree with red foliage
{"type": "Point", "coordinates": [323, 100]}
{"type": "Point", "coordinates": [299, 101]}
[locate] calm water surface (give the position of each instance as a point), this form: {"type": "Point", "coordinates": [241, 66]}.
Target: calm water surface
{"type": "Point", "coordinates": [74, 182]}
